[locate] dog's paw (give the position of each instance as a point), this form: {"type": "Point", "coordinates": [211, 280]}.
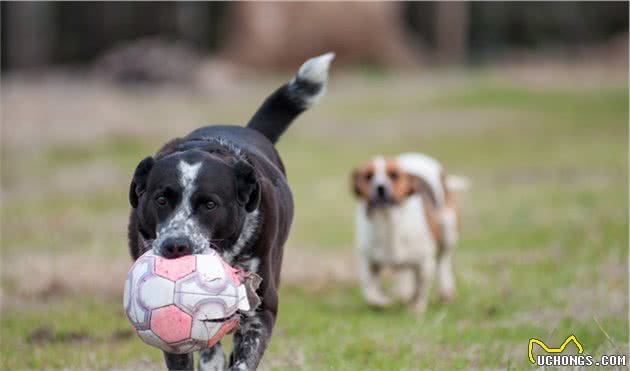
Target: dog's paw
{"type": "Point", "coordinates": [419, 306]}
{"type": "Point", "coordinates": [405, 286]}
{"type": "Point", "coordinates": [447, 295]}
{"type": "Point", "coordinates": [378, 300]}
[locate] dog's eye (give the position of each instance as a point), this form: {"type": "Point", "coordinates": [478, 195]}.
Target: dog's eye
{"type": "Point", "coordinates": [161, 200]}
{"type": "Point", "coordinates": [368, 176]}
{"type": "Point", "coordinates": [393, 175]}
{"type": "Point", "coordinates": [211, 205]}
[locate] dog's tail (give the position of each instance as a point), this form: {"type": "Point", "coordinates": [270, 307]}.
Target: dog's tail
{"type": "Point", "coordinates": [457, 183]}
{"type": "Point", "coordinates": [285, 104]}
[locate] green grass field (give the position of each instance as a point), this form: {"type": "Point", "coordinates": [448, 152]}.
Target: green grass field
{"type": "Point", "coordinates": [544, 248]}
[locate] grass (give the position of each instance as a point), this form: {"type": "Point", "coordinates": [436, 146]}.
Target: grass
{"type": "Point", "coordinates": [543, 254]}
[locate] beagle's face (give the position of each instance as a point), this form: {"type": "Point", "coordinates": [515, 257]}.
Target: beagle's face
{"type": "Point", "coordinates": [382, 183]}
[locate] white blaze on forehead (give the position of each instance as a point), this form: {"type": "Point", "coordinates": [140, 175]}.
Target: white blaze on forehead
{"type": "Point", "coordinates": [380, 175]}
{"type": "Point", "coordinates": [188, 174]}
{"type": "Point", "coordinates": [181, 223]}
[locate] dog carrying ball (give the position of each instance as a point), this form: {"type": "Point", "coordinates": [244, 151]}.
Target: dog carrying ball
{"type": "Point", "coordinates": [185, 304]}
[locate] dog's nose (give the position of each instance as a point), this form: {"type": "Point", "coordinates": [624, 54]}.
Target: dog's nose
{"type": "Point", "coordinates": [175, 247]}
{"type": "Point", "coordinates": [380, 191]}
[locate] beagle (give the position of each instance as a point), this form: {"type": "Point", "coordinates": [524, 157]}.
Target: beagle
{"type": "Point", "coordinates": [407, 220]}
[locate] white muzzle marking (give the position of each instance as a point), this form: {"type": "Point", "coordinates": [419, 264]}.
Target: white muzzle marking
{"type": "Point", "coordinates": [182, 223]}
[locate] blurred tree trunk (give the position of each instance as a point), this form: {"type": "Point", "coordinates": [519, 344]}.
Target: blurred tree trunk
{"type": "Point", "coordinates": [192, 21]}
{"type": "Point", "coordinates": [451, 31]}
{"type": "Point", "coordinates": [283, 34]}
{"type": "Point", "coordinates": [30, 34]}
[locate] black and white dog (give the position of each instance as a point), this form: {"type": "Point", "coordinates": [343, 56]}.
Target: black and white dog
{"type": "Point", "coordinates": [224, 188]}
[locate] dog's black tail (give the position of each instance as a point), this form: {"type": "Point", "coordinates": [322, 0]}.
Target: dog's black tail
{"type": "Point", "coordinates": [285, 104]}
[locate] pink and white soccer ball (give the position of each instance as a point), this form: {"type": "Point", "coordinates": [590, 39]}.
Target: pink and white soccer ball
{"type": "Point", "coordinates": [185, 304]}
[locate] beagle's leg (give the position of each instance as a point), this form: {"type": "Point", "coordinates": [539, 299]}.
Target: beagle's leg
{"type": "Point", "coordinates": [446, 282]}
{"type": "Point", "coordinates": [450, 226]}
{"type": "Point", "coordinates": [371, 285]}
{"type": "Point", "coordinates": [450, 235]}
{"type": "Point", "coordinates": [424, 272]}
{"type": "Point", "coordinates": [405, 284]}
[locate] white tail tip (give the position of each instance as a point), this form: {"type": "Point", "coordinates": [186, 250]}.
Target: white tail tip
{"type": "Point", "coordinates": [309, 83]}
{"type": "Point", "coordinates": [457, 183]}
{"type": "Point", "coordinates": [315, 70]}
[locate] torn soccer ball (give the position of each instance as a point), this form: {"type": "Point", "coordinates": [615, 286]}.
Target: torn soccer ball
{"type": "Point", "coordinates": [189, 303]}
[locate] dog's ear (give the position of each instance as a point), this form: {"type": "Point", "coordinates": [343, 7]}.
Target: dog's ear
{"type": "Point", "coordinates": [354, 182]}
{"type": "Point", "coordinates": [414, 184]}
{"type": "Point", "coordinates": [139, 181]}
{"type": "Point", "coordinates": [247, 186]}
{"type": "Point", "coordinates": [421, 187]}
{"type": "Point", "coordinates": [360, 184]}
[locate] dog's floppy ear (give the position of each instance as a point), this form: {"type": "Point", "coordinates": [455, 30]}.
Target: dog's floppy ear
{"type": "Point", "coordinates": [354, 182]}
{"type": "Point", "coordinates": [139, 181]}
{"type": "Point", "coordinates": [420, 186]}
{"type": "Point", "coordinates": [360, 186]}
{"type": "Point", "coordinates": [247, 186]}
{"type": "Point", "coordinates": [414, 184]}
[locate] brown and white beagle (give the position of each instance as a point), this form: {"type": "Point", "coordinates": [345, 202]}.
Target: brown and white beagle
{"type": "Point", "coordinates": [407, 220]}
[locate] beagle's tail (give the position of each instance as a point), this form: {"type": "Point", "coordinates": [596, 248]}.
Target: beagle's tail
{"type": "Point", "coordinates": [285, 104]}
{"type": "Point", "coordinates": [457, 183]}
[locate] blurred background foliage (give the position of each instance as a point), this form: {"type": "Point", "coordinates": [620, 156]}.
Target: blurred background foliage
{"type": "Point", "coordinates": [36, 34]}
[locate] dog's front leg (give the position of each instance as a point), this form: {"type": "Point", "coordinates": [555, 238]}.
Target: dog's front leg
{"type": "Point", "coordinates": [406, 283]}
{"type": "Point", "coordinates": [179, 361]}
{"type": "Point", "coordinates": [250, 340]}
{"type": "Point", "coordinates": [446, 282]}
{"type": "Point", "coordinates": [423, 272]}
{"type": "Point", "coordinates": [371, 285]}
{"type": "Point", "coordinates": [212, 359]}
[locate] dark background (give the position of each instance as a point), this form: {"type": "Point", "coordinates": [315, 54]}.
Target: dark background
{"type": "Point", "coordinates": [52, 33]}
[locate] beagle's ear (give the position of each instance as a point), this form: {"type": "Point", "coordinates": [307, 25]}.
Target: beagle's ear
{"type": "Point", "coordinates": [415, 184]}
{"type": "Point", "coordinates": [247, 186]}
{"type": "Point", "coordinates": [421, 187]}
{"type": "Point", "coordinates": [139, 181]}
{"type": "Point", "coordinates": [359, 184]}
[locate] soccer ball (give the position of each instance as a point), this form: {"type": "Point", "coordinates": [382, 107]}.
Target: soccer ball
{"type": "Point", "coordinates": [185, 304]}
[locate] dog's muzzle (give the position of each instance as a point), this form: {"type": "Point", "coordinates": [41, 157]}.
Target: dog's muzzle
{"type": "Point", "coordinates": [380, 196]}
{"type": "Point", "coordinates": [174, 247]}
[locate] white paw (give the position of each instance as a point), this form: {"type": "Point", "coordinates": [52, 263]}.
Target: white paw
{"type": "Point", "coordinates": [420, 306]}
{"type": "Point", "coordinates": [378, 300]}
{"type": "Point", "coordinates": [447, 294]}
